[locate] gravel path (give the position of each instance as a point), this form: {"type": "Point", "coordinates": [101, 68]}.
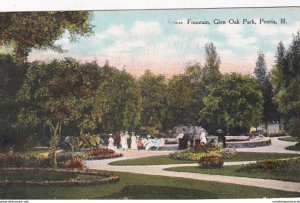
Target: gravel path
{"type": "Point", "coordinates": [276, 147]}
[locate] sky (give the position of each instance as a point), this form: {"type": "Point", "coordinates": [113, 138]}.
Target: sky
{"type": "Point", "coordinates": [136, 40]}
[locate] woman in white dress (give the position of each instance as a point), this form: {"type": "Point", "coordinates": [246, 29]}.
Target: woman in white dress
{"type": "Point", "coordinates": [203, 137]}
{"type": "Point", "coordinates": [133, 142]}
{"type": "Point", "coordinates": [111, 142]}
{"type": "Point", "coordinates": [124, 142]}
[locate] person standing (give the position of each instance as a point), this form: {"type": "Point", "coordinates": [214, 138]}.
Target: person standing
{"type": "Point", "coordinates": [124, 142]}
{"type": "Point", "coordinates": [117, 141]}
{"type": "Point", "coordinates": [203, 139]}
{"type": "Point", "coordinates": [179, 138]}
{"type": "Point", "coordinates": [111, 142]}
{"type": "Point", "coordinates": [133, 142]}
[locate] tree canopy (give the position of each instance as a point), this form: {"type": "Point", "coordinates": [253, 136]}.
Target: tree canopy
{"type": "Point", "coordinates": [285, 79]}
{"type": "Point", "coordinates": [234, 104]}
{"type": "Point", "coordinates": [24, 31]}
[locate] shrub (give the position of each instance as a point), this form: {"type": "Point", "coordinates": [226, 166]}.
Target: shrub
{"type": "Point", "coordinates": [212, 161]}
{"type": "Point", "coordinates": [76, 163]}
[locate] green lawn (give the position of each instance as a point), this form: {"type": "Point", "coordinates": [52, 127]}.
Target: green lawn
{"type": "Point", "coordinates": [135, 186]}
{"type": "Point", "coordinates": [295, 147]}
{"type": "Point", "coordinates": [165, 160]}
{"type": "Point", "coordinates": [289, 139]}
{"type": "Point", "coordinates": [230, 171]}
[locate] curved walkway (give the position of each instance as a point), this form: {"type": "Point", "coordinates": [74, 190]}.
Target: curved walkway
{"type": "Point", "coordinates": [160, 169]}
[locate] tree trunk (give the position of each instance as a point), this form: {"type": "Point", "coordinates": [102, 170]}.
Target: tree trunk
{"type": "Point", "coordinates": [55, 138]}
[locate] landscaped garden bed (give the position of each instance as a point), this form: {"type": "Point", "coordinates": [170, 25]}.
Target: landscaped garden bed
{"type": "Point", "coordinates": [103, 153]}
{"type": "Point", "coordinates": [48, 177]}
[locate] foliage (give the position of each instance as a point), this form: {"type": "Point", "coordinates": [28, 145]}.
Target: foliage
{"type": "Point", "coordinates": [56, 94]}
{"type": "Point", "coordinates": [75, 163]}
{"type": "Point", "coordinates": [11, 78]}
{"type": "Point", "coordinates": [234, 104]}
{"type": "Point", "coordinates": [212, 161]}
{"type": "Point", "coordinates": [118, 101]}
{"type": "Point", "coordinates": [285, 79]}
{"type": "Point", "coordinates": [24, 31]}
{"type": "Point", "coordinates": [270, 112]}
{"type": "Point", "coordinates": [273, 166]}
{"type": "Point", "coordinates": [154, 100]}
{"type": "Point", "coordinates": [185, 94]}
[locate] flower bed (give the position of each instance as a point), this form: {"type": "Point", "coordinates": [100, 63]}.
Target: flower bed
{"type": "Point", "coordinates": [193, 156]}
{"type": "Point", "coordinates": [103, 153]}
{"type": "Point", "coordinates": [213, 161]}
{"type": "Point", "coordinates": [273, 166]}
{"type": "Point", "coordinates": [94, 178]}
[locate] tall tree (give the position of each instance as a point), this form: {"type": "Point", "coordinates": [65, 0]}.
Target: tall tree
{"type": "Point", "coordinates": [185, 96]}
{"type": "Point", "coordinates": [211, 72]}
{"type": "Point", "coordinates": [270, 112]}
{"type": "Point", "coordinates": [154, 100]}
{"type": "Point", "coordinates": [55, 95]}
{"type": "Point", "coordinates": [24, 31]}
{"type": "Point", "coordinates": [286, 81]}
{"type": "Point", "coordinates": [235, 104]}
{"type": "Point", "coordinates": [118, 101]}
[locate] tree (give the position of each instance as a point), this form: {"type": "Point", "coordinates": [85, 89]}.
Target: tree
{"type": "Point", "coordinates": [270, 112]}
{"type": "Point", "coordinates": [54, 95]}
{"type": "Point", "coordinates": [235, 103]}
{"type": "Point", "coordinates": [211, 72]}
{"type": "Point", "coordinates": [185, 94]}
{"type": "Point", "coordinates": [118, 101]}
{"type": "Point", "coordinates": [24, 31]}
{"type": "Point", "coordinates": [154, 100]}
{"type": "Point", "coordinates": [11, 78]}
{"type": "Point", "coordinates": [285, 78]}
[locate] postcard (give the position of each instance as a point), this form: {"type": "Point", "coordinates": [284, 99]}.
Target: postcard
{"type": "Point", "coordinates": [164, 103]}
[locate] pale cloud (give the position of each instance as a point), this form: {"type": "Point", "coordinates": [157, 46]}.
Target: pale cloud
{"type": "Point", "coordinates": [123, 46]}
{"type": "Point", "coordinates": [234, 36]}
{"type": "Point", "coordinates": [115, 31]}
{"type": "Point", "coordinates": [142, 28]}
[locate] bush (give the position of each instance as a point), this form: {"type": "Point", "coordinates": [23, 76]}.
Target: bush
{"type": "Point", "coordinates": [76, 163]}
{"type": "Point", "coordinates": [294, 127]}
{"type": "Point", "coordinates": [212, 161]}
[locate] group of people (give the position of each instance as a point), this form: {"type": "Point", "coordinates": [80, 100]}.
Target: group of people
{"type": "Point", "coordinates": [187, 140]}
{"type": "Point", "coordinates": [125, 141]}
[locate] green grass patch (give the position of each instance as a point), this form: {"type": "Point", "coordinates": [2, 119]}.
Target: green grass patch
{"type": "Point", "coordinates": [136, 186]}
{"type": "Point", "coordinates": [231, 171]}
{"type": "Point", "coordinates": [295, 147]}
{"type": "Point", "coordinates": [166, 160]}
{"type": "Point", "coordinates": [35, 175]}
{"type": "Point", "coordinates": [289, 139]}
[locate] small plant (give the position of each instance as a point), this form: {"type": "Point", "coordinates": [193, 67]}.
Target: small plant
{"type": "Point", "coordinates": [212, 161]}
{"type": "Point", "coordinates": [76, 163]}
